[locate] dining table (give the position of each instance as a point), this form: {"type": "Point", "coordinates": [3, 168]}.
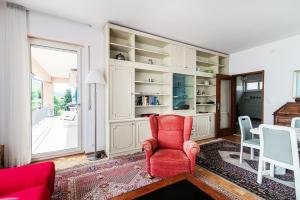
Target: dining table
{"type": "Point", "coordinates": [278, 170]}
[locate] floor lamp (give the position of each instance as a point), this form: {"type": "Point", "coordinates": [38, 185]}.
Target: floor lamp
{"type": "Point", "coordinates": [95, 77]}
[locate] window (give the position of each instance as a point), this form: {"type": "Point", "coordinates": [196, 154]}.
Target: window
{"type": "Point", "coordinates": [36, 93]}
{"type": "Point", "coordinates": [257, 85]}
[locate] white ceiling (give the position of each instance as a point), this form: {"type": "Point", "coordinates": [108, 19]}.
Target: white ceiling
{"type": "Point", "coordinates": [224, 25]}
{"type": "Point", "coordinates": [57, 63]}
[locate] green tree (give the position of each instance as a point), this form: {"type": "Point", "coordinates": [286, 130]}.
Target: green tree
{"type": "Point", "coordinates": [68, 98]}
{"type": "Point", "coordinates": [57, 106]}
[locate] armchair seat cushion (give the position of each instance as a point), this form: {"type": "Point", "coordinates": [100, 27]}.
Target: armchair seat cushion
{"type": "Point", "coordinates": [169, 162]}
{"type": "Point", "coordinates": [34, 193]}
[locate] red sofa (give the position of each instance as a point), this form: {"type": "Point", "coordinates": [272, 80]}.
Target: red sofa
{"type": "Point", "coordinates": [30, 182]}
{"type": "Point", "coordinates": [170, 152]}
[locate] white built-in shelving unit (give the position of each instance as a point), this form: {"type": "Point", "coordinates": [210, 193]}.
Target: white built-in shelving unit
{"type": "Point", "coordinates": [157, 76]}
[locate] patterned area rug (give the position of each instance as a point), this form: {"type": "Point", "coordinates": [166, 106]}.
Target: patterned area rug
{"type": "Point", "coordinates": [222, 158]}
{"type": "Point", "coordinates": [106, 179]}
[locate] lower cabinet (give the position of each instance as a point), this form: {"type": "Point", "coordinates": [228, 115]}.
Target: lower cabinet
{"type": "Point", "coordinates": [122, 137]}
{"type": "Point", "coordinates": [127, 137]}
{"type": "Point", "coordinates": [143, 132]}
{"type": "Point", "coordinates": [203, 127]}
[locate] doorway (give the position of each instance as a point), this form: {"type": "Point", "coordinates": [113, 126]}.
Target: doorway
{"type": "Point", "coordinates": [55, 99]}
{"type": "Point", "coordinates": [249, 97]}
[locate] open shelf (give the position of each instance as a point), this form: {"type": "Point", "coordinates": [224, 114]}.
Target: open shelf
{"type": "Point", "coordinates": [205, 63]}
{"type": "Point", "coordinates": [120, 47]}
{"type": "Point", "coordinates": [205, 104]}
{"type": "Point", "coordinates": [151, 106]}
{"type": "Point", "coordinates": [199, 84]}
{"type": "Point", "coordinates": [151, 94]}
{"type": "Point", "coordinates": [150, 53]}
{"type": "Point", "coordinates": [151, 83]}
{"type": "Point", "coordinates": [206, 95]}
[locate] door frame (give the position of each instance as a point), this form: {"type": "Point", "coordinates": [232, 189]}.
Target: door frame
{"type": "Point", "coordinates": [262, 72]}
{"type": "Point", "coordinates": [226, 131]}
{"type": "Point", "coordinates": [62, 46]}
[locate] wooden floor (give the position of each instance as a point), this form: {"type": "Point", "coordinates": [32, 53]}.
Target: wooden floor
{"type": "Point", "coordinates": [70, 161]}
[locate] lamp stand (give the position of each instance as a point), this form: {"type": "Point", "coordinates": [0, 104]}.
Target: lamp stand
{"type": "Point", "coordinates": [96, 155]}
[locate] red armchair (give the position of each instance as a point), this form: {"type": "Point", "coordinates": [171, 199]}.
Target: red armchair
{"type": "Point", "coordinates": [30, 182]}
{"type": "Point", "coordinates": [170, 152]}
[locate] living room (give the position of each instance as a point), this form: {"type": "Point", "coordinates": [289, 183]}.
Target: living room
{"type": "Point", "coordinates": [131, 100]}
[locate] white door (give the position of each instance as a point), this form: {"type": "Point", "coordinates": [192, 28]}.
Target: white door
{"type": "Point", "coordinates": [121, 92]}
{"type": "Point", "coordinates": [55, 99]}
{"type": "Point", "coordinates": [122, 137]}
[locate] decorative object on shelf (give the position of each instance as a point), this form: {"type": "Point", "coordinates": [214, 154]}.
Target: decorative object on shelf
{"type": "Point", "coordinates": [186, 106]}
{"type": "Point", "coordinates": [198, 92]}
{"type": "Point", "coordinates": [203, 92]}
{"type": "Point", "coordinates": [210, 102]}
{"type": "Point", "coordinates": [210, 71]}
{"type": "Point", "coordinates": [151, 80]}
{"type": "Point", "coordinates": [150, 61]}
{"type": "Point", "coordinates": [120, 56]}
{"type": "Point", "coordinates": [206, 82]}
{"type": "Point", "coordinates": [95, 77]}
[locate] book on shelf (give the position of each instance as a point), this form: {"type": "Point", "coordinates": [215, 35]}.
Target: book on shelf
{"type": "Point", "coordinates": [147, 100]}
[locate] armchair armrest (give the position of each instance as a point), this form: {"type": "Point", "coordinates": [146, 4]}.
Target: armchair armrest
{"type": "Point", "coordinates": [191, 149]}
{"type": "Point", "coordinates": [150, 144]}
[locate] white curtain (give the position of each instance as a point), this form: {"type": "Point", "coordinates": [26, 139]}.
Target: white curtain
{"type": "Point", "coordinates": [15, 123]}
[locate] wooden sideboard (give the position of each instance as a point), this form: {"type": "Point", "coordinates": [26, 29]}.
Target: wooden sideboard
{"type": "Point", "coordinates": [283, 116]}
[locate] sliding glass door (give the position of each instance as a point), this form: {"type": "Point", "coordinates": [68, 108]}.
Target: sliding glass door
{"type": "Point", "coordinates": [55, 102]}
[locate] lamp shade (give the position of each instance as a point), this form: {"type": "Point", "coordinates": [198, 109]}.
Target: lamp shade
{"type": "Point", "coordinates": [95, 76]}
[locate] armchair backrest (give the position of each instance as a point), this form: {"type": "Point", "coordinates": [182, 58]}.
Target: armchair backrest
{"type": "Point", "coordinates": [171, 130]}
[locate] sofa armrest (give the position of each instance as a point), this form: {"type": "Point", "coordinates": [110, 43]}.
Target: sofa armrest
{"type": "Point", "coordinates": [191, 149]}
{"type": "Point", "coordinates": [150, 145]}
{"type": "Point", "coordinates": [20, 178]}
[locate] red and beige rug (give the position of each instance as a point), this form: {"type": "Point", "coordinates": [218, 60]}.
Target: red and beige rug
{"type": "Point", "coordinates": [106, 179]}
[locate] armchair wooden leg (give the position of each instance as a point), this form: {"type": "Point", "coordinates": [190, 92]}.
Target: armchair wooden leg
{"type": "Point", "coordinates": [149, 176]}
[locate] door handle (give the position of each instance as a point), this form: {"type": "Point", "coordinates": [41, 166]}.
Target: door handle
{"type": "Point", "coordinates": [218, 106]}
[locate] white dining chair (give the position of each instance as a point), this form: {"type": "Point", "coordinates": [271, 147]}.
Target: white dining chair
{"type": "Point", "coordinates": [295, 122]}
{"type": "Point", "coordinates": [279, 147]}
{"type": "Point", "coordinates": [247, 139]}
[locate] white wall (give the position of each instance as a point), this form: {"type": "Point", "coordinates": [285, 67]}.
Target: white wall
{"type": "Point", "coordinates": [54, 28]}
{"type": "Point", "coordinates": [279, 59]}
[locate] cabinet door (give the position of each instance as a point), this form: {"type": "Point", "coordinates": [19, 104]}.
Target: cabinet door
{"type": "Point", "coordinates": [121, 92]}
{"type": "Point", "coordinates": [177, 57]}
{"type": "Point", "coordinates": [203, 125]}
{"type": "Point", "coordinates": [194, 127]}
{"type": "Point", "coordinates": [143, 132]}
{"type": "Point", "coordinates": [190, 59]}
{"type": "Point", "coordinates": [122, 137]}
{"type": "Point", "coordinates": [212, 125]}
